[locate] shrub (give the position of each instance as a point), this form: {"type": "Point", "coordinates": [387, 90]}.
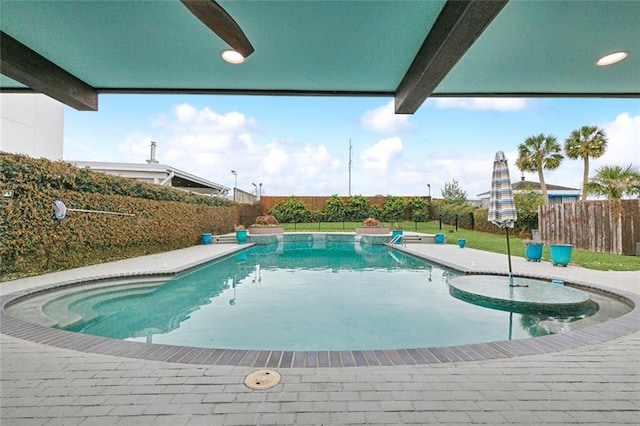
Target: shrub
{"type": "Point", "coordinates": [33, 242]}
{"type": "Point", "coordinates": [357, 208]}
{"type": "Point", "coordinates": [293, 211]}
{"type": "Point", "coordinates": [334, 209]}
{"type": "Point", "coordinates": [370, 222]}
{"type": "Point", "coordinates": [419, 209]}
{"type": "Point", "coordinates": [375, 211]}
{"type": "Point", "coordinates": [527, 203]}
{"type": "Point", "coordinates": [266, 219]}
{"type": "Point", "coordinates": [393, 208]}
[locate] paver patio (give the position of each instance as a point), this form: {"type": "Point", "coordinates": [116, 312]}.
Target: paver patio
{"type": "Point", "coordinates": [593, 383]}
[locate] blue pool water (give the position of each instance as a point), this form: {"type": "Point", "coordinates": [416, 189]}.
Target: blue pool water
{"type": "Point", "coordinates": [343, 296]}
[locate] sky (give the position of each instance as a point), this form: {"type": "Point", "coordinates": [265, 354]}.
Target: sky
{"type": "Point", "coordinates": [300, 145]}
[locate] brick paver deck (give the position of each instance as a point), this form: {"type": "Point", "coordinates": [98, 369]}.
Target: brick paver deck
{"type": "Point", "coordinates": [585, 383]}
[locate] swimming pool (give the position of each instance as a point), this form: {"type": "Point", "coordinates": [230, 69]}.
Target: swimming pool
{"type": "Point", "coordinates": [299, 297]}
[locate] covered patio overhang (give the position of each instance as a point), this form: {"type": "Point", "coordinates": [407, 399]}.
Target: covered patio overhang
{"type": "Point", "coordinates": [73, 51]}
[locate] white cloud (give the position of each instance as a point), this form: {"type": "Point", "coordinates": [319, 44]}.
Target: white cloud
{"type": "Point", "coordinates": [624, 142]}
{"type": "Point", "coordinates": [384, 119]}
{"type": "Point", "coordinates": [135, 148]}
{"type": "Point", "coordinates": [275, 160]}
{"type": "Point", "coordinates": [379, 156]}
{"type": "Point", "coordinates": [485, 104]}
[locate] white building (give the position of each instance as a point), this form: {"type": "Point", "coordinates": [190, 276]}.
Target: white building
{"type": "Point", "coordinates": [557, 194]}
{"type": "Point", "coordinates": [32, 124]}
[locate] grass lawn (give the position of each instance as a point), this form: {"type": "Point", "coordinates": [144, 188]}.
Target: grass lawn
{"type": "Point", "coordinates": [495, 243]}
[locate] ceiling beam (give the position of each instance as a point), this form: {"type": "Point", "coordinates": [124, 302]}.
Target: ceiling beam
{"type": "Point", "coordinates": [457, 27]}
{"type": "Point", "coordinates": [26, 66]}
{"type": "Point", "coordinates": [221, 23]}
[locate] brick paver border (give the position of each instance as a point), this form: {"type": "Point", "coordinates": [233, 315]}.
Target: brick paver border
{"type": "Point", "coordinates": [598, 333]}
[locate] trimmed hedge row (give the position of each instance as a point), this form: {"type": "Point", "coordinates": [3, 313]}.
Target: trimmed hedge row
{"type": "Point", "coordinates": [449, 212]}
{"type": "Point", "coordinates": [33, 242]}
{"type": "Point", "coordinates": [19, 170]}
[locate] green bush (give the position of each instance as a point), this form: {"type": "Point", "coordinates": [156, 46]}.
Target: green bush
{"type": "Point", "coordinates": [334, 209]}
{"type": "Point", "coordinates": [293, 211]}
{"type": "Point", "coordinates": [450, 212]}
{"type": "Point", "coordinates": [375, 211]}
{"type": "Point", "coordinates": [527, 203]}
{"type": "Point", "coordinates": [357, 208]}
{"type": "Point", "coordinates": [419, 209]}
{"type": "Point", "coordinates": [33, 242]}
{"type": "Point", "coordinates": [393, 209]}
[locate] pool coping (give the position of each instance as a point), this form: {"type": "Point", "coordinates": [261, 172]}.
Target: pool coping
{"type": "Point", "coordinates": [593, 334]}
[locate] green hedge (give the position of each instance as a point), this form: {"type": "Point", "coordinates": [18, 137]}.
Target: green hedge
{"type": "Point", "coordinates": [33, 242]}
{"type": "Point", "coordinates": [449, 212]}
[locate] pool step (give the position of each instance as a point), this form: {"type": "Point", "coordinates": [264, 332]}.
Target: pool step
{"type": "Point", "coordinates": [424, 239]}
{"type": "Point", "coordinates": [225, 239]}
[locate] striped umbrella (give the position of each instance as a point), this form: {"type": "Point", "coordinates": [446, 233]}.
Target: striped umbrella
{"type": "Point", "coordinates": [502, 209]}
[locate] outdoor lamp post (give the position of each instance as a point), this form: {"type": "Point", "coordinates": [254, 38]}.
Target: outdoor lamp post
{"type": "Point", "coordinates": [429, 188]}
{"type": "Point", "coordinates": [258, 189]}
{"type": "Point", "coordinates": [235, 188]}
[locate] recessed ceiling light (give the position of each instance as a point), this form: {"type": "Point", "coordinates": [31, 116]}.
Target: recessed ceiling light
{"type": "Point", "coordinates": [232, 56]}
{"type": "Point", "coordinates": [612, 58]}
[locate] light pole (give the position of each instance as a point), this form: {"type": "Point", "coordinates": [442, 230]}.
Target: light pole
{"type": "Point", "coordinates": [429, 187]}
{"type": "Point", "coordinates": [235, 188]}
{"type": "Point", "coordinates": [258, 189]}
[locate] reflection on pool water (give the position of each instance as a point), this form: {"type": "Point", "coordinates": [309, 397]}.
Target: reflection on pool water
{"type": "Point", "coordinates": [292, 296]}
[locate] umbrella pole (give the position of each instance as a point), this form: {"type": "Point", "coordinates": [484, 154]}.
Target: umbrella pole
{"type": "Point", "coordinates": [510, 324]}
{"type": "Point", "coordinates": [509, 258]}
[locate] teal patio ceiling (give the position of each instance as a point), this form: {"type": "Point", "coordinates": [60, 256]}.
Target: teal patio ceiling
{"type": "Point", "coordinates": [330, 48]}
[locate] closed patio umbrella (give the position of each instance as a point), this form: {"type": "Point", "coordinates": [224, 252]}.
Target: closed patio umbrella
{"type": "Point", "coordinates": [502, 209]}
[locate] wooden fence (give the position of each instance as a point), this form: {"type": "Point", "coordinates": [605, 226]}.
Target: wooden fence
{"type": "Point", "coordinates": [611, 226]}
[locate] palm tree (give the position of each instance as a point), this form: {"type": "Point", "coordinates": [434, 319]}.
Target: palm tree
{"type": "Point", "coordinates": [614, 182]}
{"type": "Point", "coordinates": [586, 142]}
{"type": "Point", "coordinates": [537, 153]}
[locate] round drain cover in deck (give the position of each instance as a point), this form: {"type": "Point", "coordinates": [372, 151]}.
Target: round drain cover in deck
{"type": "Point", "coordinates": [262, 379]}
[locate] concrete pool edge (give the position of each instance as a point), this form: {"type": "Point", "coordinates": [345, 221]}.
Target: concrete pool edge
{"type": "Point", "coordinates": [598, 333]}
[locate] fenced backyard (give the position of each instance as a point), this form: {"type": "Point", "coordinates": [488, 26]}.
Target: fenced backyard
{"type": "Point", "coordinates": [611, 226]}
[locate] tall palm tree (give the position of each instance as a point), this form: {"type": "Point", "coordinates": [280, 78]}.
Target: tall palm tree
{"type": "Point", "coordinates": [537, 153]}
{"type": "Point", "coordinates": [586, 142]}
{"type": "Point", "coordinates": [614, 182]}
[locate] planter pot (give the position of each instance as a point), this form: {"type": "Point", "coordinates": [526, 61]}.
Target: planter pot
{"type": "Point", "coordinates": [396, 236]}
{"type": "Point", "coordinates": [206, 239]}
{"type": "Point", "coordinates": [372, 230]}
{"type": "Point", "coordinates": [560, 254]}
{"type": "Point", "coordinates": [461, 242]}
{"type": "Point", "coordinates": [265, 230]}
{"type": "Point", "coordinates": [533, 251]}
{"type": "Point", "coordinates": [439, 238]}
{"type": "Point", "coordinates": [241, 236]}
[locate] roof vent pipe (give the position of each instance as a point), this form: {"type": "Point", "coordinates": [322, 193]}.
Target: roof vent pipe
{"type": "Point", "coordinates": [153, 160]}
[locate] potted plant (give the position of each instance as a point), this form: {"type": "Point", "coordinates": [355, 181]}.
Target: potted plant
{"type": "Point", "coordinates": [206, 239]}
{"type": "Point", "coordinates": [372, 226]}
{"type": "Point", "coordinates": [265, 225]}
{"type": "Point", "coordinates": [241, 234]}
{"type": "Point", "coordinates": [560, 253]}
{"type": "Point", "coordinates": [533, 250]}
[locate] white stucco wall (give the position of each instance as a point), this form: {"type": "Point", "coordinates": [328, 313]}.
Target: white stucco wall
{"type": "Point", "coordinates": [32, 124]}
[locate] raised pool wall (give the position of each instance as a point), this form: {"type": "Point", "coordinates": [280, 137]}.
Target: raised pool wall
{"type": "Point", "coordinates": [318, 240]}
